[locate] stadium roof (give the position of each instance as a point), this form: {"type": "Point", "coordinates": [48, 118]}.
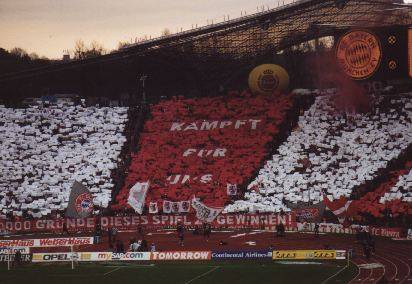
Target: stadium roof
{"type": "Point", "coordinates": [252, 35]}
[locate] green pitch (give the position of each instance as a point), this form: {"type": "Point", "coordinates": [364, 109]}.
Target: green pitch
{"type": "Point", "coordinates": [248, 272]}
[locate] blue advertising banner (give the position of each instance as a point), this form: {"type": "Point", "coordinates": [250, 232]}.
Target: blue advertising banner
{"type": "Point", "coordinates": [241, 255]}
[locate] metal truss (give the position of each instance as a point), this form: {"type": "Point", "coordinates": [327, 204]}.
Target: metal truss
{"type": "Point", "coordinates": [254, 35]}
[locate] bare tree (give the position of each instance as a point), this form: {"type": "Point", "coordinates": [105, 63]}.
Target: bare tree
{"type": "Point", "coordinates": [79, 50]}
{"type": "Point", "coordinates": [122, 44]}
{"type": "Point", "coordinates": [18, 52]}
{"type": "Point", "coordinates": [166, 32]}
{"type": "Point", "coordinates": [34, 56]}
{"type": "Point", "coordinates": [96, 49]}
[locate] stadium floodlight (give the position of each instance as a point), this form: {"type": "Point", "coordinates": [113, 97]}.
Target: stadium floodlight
{"type": "Point", "coordinates": [142, 79]}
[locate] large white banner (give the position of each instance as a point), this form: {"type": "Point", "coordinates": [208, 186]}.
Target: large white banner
{"type": "Point", "coordinates": [204, 213]}
{"type": "Point", "coordinates": [56, 242]}
{"type": "Point", "coordinates": [137, 196]}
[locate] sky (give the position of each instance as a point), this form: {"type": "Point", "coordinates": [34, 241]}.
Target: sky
{"type": "Point", "coordinates": [48, 27]}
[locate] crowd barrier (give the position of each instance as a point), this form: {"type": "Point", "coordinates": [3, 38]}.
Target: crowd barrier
{"type": "Point", "coordinates": [190, 255]}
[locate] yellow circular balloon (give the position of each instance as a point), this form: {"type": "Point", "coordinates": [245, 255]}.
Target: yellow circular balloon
{"type": "Point", "coordinates": [268, 78]}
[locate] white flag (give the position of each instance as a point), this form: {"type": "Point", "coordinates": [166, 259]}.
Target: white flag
{"type": "Point", "coordinates": [153, 209]}
{"type": "Point", "coordinates": [167, 207]}
{"type": "Point", "coordinates": [137, 196]}
{"type": "Point", "coordinates": [184, 206]}
{"type": "Point", "coordinates": [231, 189]}
{"type": "Point", "coordinates": [204, 213]}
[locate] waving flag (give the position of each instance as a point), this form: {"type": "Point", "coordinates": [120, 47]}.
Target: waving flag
{"type": "Point", "coordinates": [80, 202]}
{"type": "Point", "coordinates": [203, 212]}
{"type": "Point", "coordinates": [338, 206]}
{"type": "Point", "coordinates": [137, 196]}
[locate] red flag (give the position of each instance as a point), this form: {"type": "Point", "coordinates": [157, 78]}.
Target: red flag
{"type": "Point", "coordinates": [338, 206]}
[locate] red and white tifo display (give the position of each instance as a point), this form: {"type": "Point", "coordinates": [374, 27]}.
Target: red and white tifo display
{"type": "Point", "coordinates": [202, 148]}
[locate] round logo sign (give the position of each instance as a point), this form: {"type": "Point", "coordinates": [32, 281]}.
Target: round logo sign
{"type": "Point", "coordinates": [359, 54]}
{"type": "Point", "coordinates": [268, 81]}
{"type": "Point", "coordinates": [268, 78]}
{"type": "Point", "coordinates": [84, 203]}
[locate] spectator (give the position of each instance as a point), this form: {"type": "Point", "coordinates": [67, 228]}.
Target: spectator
{"type": "Point", "coordinates": [114, 233]}
{"type": "Point", "coordinates": [316, 230]}
{"type": "Point", "coordinates": [280, 230]}
{"type": "Point", "coordinates": [119, 246]}
{"type": "Point", "coordinates": [110, 237]}
{"type": "Point", "coordinates": [181, 233]}
{"type": "Point", "coordinates": [134, 246]}
{"type": "Point", "coordinates": [17, 258]}
{"type": "Point", "coordinates": [65, 230]}
{"type": "Point", "coordinates": [144, 246]}
{"type": "Point", "coordinates": [206, 231]}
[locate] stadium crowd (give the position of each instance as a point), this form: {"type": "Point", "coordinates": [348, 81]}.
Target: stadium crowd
{"type": "Point", "coordinates": [45, 148]}
{"type": "Point", "coordinates": [187, 142]}
{"type": "Point", "coordinates": [331, 153]}
{"type": "Point", "coordinates": [181, 146]}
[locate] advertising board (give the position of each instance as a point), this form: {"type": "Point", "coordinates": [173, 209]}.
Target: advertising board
{"type": "Point", "coordinates": [181, 255]}
{"type": "Point", "coordinates": [226, 255]}
{"type": "Point", "coordinates": [308, 254]}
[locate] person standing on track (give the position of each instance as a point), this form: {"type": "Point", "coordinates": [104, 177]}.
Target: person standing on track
{"type": "Point", "coordinates": [181, 233]}
{"type": "Point", "coordinates": [207, 229]}
{"type": "Point", "coordinates": [17, 258]}
{"type": "Point", "coordinates": [317, 230]}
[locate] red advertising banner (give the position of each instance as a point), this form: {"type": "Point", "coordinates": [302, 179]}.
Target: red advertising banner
{"type": "Point", "coordinates": [53, 242]}
{"type": "Point", "coordinates": [235, 221]}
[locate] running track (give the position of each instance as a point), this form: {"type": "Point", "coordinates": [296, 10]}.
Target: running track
{"type": "Point", "coordinates": [393, 258]}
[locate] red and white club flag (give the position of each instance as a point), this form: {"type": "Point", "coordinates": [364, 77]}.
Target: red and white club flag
{"type": "Point", "coordinates": [203, 212]}
{"type": "Point", "coordinates": [80, 202]}
{"type": "Point", "coordinates": [184, 206]}
{"type": "Point", "coordinates": [175, 207]}
{"type": "Point", "coordinates": [167, 207]}
{"type": "Point", "coordinates": [137, 196]}
{"type": "Point", "coordinates": [337, 206]}
{"type": "Point", "coordinates": [231, 189]}
{"type": "Point", "coordinates": [153, 209]}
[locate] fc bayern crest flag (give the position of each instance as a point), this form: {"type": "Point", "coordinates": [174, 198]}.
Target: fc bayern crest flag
{"type": "Point", "coordinates": [80, 202]}
{"type": "Point", "coordinates": [231, 189]}
{"type": "Point", "coordinates": [184, 206]}
{"type": "Point", "coordinates": [153, 208]}
{"type": "Point", "coordinates": [137, 196]}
